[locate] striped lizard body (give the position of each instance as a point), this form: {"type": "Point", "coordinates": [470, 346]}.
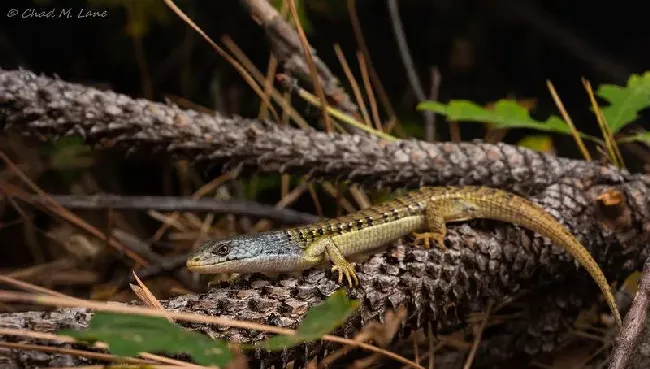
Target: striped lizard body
{"type": "Point", "coordinates": [423, 212]}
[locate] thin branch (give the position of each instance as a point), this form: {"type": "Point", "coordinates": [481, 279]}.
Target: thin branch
{"type": "Point", "coordinates": [636, 322]}
{"type": "Point", "coordinates": [74, 352]}
{"type": "Point", "coordinates": [358, 35]}
{"type": "Point", "coordinates": [369, 91]}
{"type": "Point", "coordinates": [411, 73]}
{"type": "Point", "coordinates": [180, 204]}
{"type": "Point", "coordinates": [434, 93]}
{"type": "Point", "coordinates": [478, 333]}
{"type": "Point", "coordinates": [353, 84]}
{"type": "Point", "coordinates": [306, 49]}
{"type": "Point", "coordinates": [568, 120]}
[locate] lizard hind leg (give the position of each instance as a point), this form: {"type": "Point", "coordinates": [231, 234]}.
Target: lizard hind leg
{"type": "Point", "coordinates": [341, 265]}
{"type": "Point", "coordinates": [436, 228]}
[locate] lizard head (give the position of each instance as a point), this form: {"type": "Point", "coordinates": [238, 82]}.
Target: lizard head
{"type": "Point", "coordinates": [261, 252]}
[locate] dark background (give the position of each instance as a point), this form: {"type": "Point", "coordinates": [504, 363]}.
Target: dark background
{"type": "Point", "coordinates": [485, 50]}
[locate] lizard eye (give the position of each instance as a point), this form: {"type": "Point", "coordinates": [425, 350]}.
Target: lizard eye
{"type": "Point", "coordinates": [223, 250]}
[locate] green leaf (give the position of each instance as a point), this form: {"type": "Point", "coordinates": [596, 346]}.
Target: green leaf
{"type": "Point", "coordinates": [625, 102]}
{"type": "Point", "coordinates": [300, 9]}
{"type": "Point", "coordinates": [412, 128]}
{"type": "Point", "coordinates": [505, 114]}
{"type": "Point", "coordinates": [129, 335]}
{"type": "Point", "coordinates": [72, 157]}
{"type": "Point", "coordinates": [261, 183]}
{"type": "Point", "coordinates": [541, 143]}
{"type": "Point", "coordinates": [319, 321]}
{"type": "Point", "coordinates": [641, 137]}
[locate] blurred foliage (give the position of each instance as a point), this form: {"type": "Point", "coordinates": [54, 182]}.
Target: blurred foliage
{"type": "Point", "coordinates": [300, 8]}
{"type": "Point", "coordinates": [142, 13]}
{"type": "Point", "coordinates": [625, 102]}
{"type": "Point", "coordinates": [129, 335]}
{"type": "Point", "coordinates": [542, 143]}
{"type": "Point", "coordinates": [504, 114]}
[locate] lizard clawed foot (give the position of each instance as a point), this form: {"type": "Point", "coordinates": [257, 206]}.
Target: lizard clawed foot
{"type": "Point", "coordinates": [346, 269]}
{"type": "Point", "coordinates": [426, 238]}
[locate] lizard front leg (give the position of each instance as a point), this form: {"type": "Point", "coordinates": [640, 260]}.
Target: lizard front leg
{"type": "Point", "coordinates": [436, 227]}
{"type": "Point", "coordinates": [327, 245]}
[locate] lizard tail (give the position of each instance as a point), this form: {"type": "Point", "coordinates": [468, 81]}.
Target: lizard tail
{"type": "Point", "coordinates": [534, 217]}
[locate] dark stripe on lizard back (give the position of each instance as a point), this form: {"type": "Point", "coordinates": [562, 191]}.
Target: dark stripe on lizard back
{"type": "Point", "coordinates": [410, 204]}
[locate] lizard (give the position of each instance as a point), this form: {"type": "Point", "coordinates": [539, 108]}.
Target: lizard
{"type": "Point", "coordinates": [423, 213]}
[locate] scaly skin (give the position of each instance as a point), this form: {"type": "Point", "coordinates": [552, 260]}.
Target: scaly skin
{"type": "Point", "coordinates": [426, 210]}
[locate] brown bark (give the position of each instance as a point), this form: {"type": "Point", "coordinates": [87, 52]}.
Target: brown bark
{"type": "Point", "coordinates": [45, 107]}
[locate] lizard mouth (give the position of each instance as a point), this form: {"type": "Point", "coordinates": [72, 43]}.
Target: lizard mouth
{"type": "Point", "coordinates": [206, 267]}
{"type": "Point", "coordinates": [250, 265]}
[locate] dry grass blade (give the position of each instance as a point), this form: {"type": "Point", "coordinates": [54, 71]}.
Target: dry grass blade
{"type": "Point", "coordinates": [360, 196]}
{"type": "Point", "coordinates": [75, 352]}
{"type": "Point", "coordinates": [168, 221]}
{"type": "Point", "coordinates": [614, 153]}
{"type": "Point", "coordinates": [432, 345]}
{"type": "Point", "coordinates": [123, 366]}
{"type": "Point", "coordinates": [284, 202]}
{"type": "Point", "coordinates": [335, 193]}
{"type": "Point", "coordinates": [380, 333]}
{"type": "Point", "coordinates": [567, 119]}
{"type": "Point", "coordinates": [314, 198]}
{"type": "Point", "coordinates": [342, 116]}
{"type": "Point", "coordinates": [40, 336]}
{"type": "Point", "coordinates": [245, 75]}
{"type": "Point", "coordinates": [353, 83]}
{"type": "Point", "coordinates": [146, 296]}
{"type": "Point", "coordinates": [288, 110]}
{"type": "Point", "coordinates": [285, 184]}
{"type": "Point", "coordinates": [29, 287]}
{"type": "Point", "coordinates": [36, 270]}
{"type": "Point", "coordinates": [177, 363]}
{"type": "Point", "coordinates": [478, 332]}
{"type": "Point", "coordinates": [205, 189]}
{"type": "Point", "coordinates": [416, 349]}
{"type": "Point", "coordinates": [369, 91]}
{"type": "Point", "coordinates": [101, 345]}
{"type": "Point", "coordinates": [55, 208]}
{"type": "Point", "coordinates": [358, 34]}
{"type": "Point", "coordinates": [268, 86]}
{"type": "Point", "coordinates": [312, 66]}
{"type": "Point", "coordinates": [270, 74]}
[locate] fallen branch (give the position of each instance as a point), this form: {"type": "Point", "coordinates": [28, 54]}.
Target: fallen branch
{"type": "Point", "coordinates": [49, 108]}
